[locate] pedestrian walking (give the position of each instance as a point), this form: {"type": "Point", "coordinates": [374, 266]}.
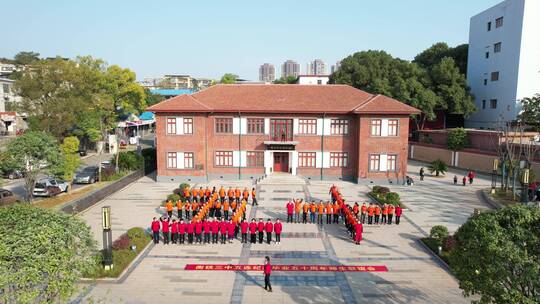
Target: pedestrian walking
{"type": "Point", "coordinates": [254, 197]}
{"type": "Point", "coordinates": [422, 173]}
{"type": "Point", "coordinates": [155, 230]}
{"type": "Point", "coordinates": [278, 227]}
{"type": "Point", "coordinates": [471, 176]}
{"type": "Point", "coordinates": [267, 271]}
{"type": "Point", "coordinates": [455, 179]}
{"type": "Point", "coordinates": [464, 180]}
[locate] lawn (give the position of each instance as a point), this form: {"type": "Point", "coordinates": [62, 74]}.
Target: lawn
{"type": "Point", "coordinates": [59, 200]}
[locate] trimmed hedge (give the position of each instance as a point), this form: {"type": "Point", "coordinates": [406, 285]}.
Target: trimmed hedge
{"type": "Point", "coordinates": [384, 196]}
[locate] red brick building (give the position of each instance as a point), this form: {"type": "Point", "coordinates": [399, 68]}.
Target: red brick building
{"type": "Point", "coordinates": [246, 131]}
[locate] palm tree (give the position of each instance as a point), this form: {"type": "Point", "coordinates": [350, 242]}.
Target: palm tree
{"type": "Point", "coordinates": [438, 166]}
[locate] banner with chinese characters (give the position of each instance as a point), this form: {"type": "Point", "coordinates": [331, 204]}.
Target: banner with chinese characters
{"type": "Point", "coordinates": [226, 267]}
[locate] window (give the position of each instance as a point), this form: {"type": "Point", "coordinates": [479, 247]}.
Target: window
{"type": "Point", "coordinates": [255, 125]}
{"type": "Point", "coordinates": [498, 22]}
{"type": "Point", "coordinates": [5, 87]}
{"type": "Point", "coordinates": [306, 159]}
{"type": "Point", "coordinates": [376, 127]}
{"type": "Point", "coordinates": [487, 55]}
{"type": "Point", "coordinates": [255, 158]}
{"type": "Point", "coordinates": [188, 160]}
{"type": "Point", "coordinates": [339, 159]}
{"type": "Point", "coordinates": [392, 127]}
{"type": "Point", "coordinates": [493, 103]}
{"type": "Point", "coordinates": [307, 126]}
{"type": "Point", "coordinates": [319, 81]}
{"type": "Point", "coordinates": [485, 81]}
{"type": "Point", "coordinates": [224, 158]}
{"type": "Point", "coordinates": [489, 26]}
{"type": "Point", "coordinates": [483, 104]}
{"type": "Point", "coordinates": [494, 76]}
{"type": "Point", "coordinates": [374, 162]}
{"type": "Point", "coordinates": [224, 125]}
{"type": "Point", "coordinates": [391, 163]}
{"type": "Point", "coordinates": [188, 125]}
{"type": "Point", "coordinates": [171, 160]}
{"type": "Point", "coordinates": [339, 126]}
{"type": "Point", "coordinates": [497, 47]}
{"type": "Point", "coordinates": [171, 125]}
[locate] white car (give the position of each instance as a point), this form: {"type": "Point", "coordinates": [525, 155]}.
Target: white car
{"type": "Point", "coordinates": [50, 187]}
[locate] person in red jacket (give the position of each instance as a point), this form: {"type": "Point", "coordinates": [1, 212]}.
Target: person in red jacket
{"type": "Point", "coordinates": [358, 230]}
{"type": "Point", "coordinates": [269, 228]}
{"type": "Point", "coordinates": [174, 231]}
{"type": "Point", "coordinates": [165, 230]}
{"type": "Point", "coordinates": [253, 231]}
{"type": "Point", "coordinates": [190, 228]}
{"type": "Point", "coordinates": [206, 228]}
{"type": "Point", "coordinates": [290, 210]}
{"type": "Point", "coordinates": [215, 229]}
{"type": "Point", "coordinates": [182, 232]}
{"type": "Point", "coordinates": [399, 211]}
{"type": "Point", "coordinates": [267, 271]}
{"type": "Point", "coordinates": [223, 229]}
{"type": "Point", "coordinates": [198, 231]}
{"type": "Point", "coordinates": [231, 227]}
{"type": "Point", "coordinates": [155, 230]}
{"type": "Point", "coordinates": [260, 229]}
{"type": "Point", "coordinates": [243, 229]}
{"type": "Point", "coordinates": [277, 230]}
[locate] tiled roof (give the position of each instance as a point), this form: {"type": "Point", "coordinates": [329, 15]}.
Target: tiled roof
{"type": "Point", "coordinates": [282, 98]}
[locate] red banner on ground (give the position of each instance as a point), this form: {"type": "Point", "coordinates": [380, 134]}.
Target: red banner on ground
{"type": "Point", "coordinates": [228, 267]}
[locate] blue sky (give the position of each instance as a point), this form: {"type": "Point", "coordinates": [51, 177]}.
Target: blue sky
{"type": "Point", "coordinates": [209, 38]}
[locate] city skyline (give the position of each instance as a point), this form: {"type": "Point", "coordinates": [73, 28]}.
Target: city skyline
{"type": "Point", "coordinates": [63, 28]}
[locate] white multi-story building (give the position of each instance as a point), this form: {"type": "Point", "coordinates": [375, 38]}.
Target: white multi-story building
{"type": "Point", "coordinates": [267, 72]}
{"type": "Point", "coordinates": [7, 94]}
{"type": "Point", "coordinates": [316, 67]}
{"type": "Point", "coordinates": [504, 60]}
{"type": "Point", "coordinates": [290, 68]}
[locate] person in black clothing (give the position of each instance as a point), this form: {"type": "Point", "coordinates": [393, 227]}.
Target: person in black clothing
{"type": "Point", "coordinates": [422, 173]}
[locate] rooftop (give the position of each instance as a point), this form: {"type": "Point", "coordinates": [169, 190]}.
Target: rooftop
{"type": "Point", "coordinates": [283, 98]}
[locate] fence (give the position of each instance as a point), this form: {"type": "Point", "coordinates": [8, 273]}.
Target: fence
{"type": "Point", "coordinates": [94, 197]}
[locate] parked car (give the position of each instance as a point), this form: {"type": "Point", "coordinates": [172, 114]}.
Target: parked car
{"type": "Point", "coordinates": [7, 197]}
{"type": "Point", "coordinates": [82, 152]}
{"type": "Point", "coordinates": [50, 187]}
{"type": "Point", "coordinates": [88, 175]}
{"type": "Point", "coordinates": [14, 174]}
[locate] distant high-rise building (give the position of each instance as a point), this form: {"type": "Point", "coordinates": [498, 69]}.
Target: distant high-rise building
{"type": "Point", "coordinates": [316, 67]}
{"type": "Point", "coordinates": [267, 72]}
{"type": "Point", "coordinates": [290, 68]}
{"type": "Point", "coordinates": [335, 67]}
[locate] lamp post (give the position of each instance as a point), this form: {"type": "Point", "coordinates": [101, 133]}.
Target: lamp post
{"type": "Point", "coordinates": [494, 175]}
{"type": "Point", "coordinates": [107, 237]}
{"type": "Point", "coordinates": [525, 190]}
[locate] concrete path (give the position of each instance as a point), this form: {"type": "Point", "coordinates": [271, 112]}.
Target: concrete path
{"type": "Point", "coordinates": [413, 276]}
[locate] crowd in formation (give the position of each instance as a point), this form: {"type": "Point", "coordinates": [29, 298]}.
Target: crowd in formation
{"type": "Point", "coordinates": [213, 216]}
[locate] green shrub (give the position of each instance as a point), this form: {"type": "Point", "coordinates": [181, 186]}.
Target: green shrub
{"type": "Point", "coordinates": [457, 139]}
{"type": "Point", "coordinates": [129, 161]}
{"type": "Point", "coordinates": [392, 198]}
{"type": "Point", "coordinates": [439, 233]}
{"type": "Point", "coordinates": [438, 166]}
{"type": "Point", "coordinates": [449, 243]}
{"type": "Point", "coordinates": [173, 197]}
{"type": "Point", "coordinates": [384, 190]}
{"type": "Point", "coordinates": [376, 189]}
{"type": "Point", "coordinates": [136, 233]}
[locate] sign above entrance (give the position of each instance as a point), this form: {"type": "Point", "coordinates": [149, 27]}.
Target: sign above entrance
{"type": "Point", "coordinates": [280, 147]}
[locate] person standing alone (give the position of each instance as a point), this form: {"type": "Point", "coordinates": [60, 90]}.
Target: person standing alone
{"type": "Point", "coordinates": [267, 271]}
{"type": "Point", "coordinates": [422, 173]}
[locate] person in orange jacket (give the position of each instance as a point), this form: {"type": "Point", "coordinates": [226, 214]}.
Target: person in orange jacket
{"type": "Point", "coordinates": [194, 208]}
{"type": "Point", "coordinates": [237, 194]}
{"type": "Point", "coordinates": [226, 210]}
{"type": "Point", "coordinates": [329, 212]}
{"type": "Point", "coordinates": [377, 214]}
{"type": "Point", "coordinates": [169, 207]}
{"type": "Point", "coordinates": [233, 205]}
{"type": "Point", "coordinates": [371, 212]}
{"type": "Point", "coordinates": [179, 207]}
{"type": "Point", "coordinates": [384, 213]}
{"type": "Point", "coordinates": [312, 211]}
{"type": "Point", "coordinates": [336, 209]}
{"type": "Point", "coordinates": [230, 194]}
{"type": "Point", "coordinates": [390, 214]}
{"type": "Point", "coordinates": [254, 196]}
{"type": "Point", "coordinates": [217, 206]}
{"type": "Point", "coordinates": [305, 209]}
{"type": "Point", "coordinates": [320, 211]}
{"type": "Point", "coordinates": [297, 210]}
{"type": "Point", "coordinates": [222, 194]}
{"type": "Point", "coordinates": [186, 193]}
{"type": "Point", "coordinates": [363, 213]}
{"type": "Point", "coordinates": [245, 194]}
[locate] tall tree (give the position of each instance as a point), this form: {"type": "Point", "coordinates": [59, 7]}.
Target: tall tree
{"type": "Point", "coordinates": [33, 153]}
{"type": "Point", "coordinates": [127, 95]}
{"type": "Point", "coordinates": [71, 159]}
{"type": "Point", "coordinates": [43, 253]}
{"type": "Point", "coordinates": [151, 98]}
{"type": "Point", "coordinates": [497, 255]}
{"type": "Point", "coordinates": [26, 58]}
{"type": "Point", "coordinates": [530, 113]}
{"type": "Point", "coordinates": [286, 80]}
{"type": "Point", "coordinates": [228, 78]}
{"type": "Point", "coordinates": [434, 54]}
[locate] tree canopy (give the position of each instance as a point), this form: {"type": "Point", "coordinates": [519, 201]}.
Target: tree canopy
{"type": "Point", "coordinates": [228, 78]}
{"type": "Point", "coordinates": [434, 54]}
{"type": "Point", "coordinates": [26, 58]}
{"type": "Point", "coordinates": [286, 80]}
{"type": "Point", "coordinates": [43, 253]}
{"type": "Point", "coordinates": [530, 113]}
{"type": "Point", "coordinates": [497, 255]}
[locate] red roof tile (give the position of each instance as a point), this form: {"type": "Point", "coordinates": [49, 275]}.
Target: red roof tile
{"type": "Point", "coordinates": [381, 104]}
{"type": "Point", "coordinates": [281, 98]}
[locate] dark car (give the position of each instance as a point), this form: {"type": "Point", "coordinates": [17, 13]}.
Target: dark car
{"type": "Point", "coordinates": [13, 174]}
{"type": "Point", "coordinates": [7, 197]}
{"type": "Point", "coordinates": [88, 175]}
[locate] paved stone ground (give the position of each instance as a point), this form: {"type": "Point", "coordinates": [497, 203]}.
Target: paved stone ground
{"type": "Point", "coordinates": [413, 276]}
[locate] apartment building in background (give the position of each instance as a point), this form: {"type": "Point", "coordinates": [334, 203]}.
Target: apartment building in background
{"type": "Point", "coordinates": [247, 131]}
{"type": "Point", "coordinates": [313, 79]}
{"type": "Point", "coordinates": [316, 67]}
{"type": "Point", "coordinates": [503, 61]}
{"type": "Point", "coordinates": [290, 68]}
{"type": "Point", "coordinates": [335, 67]}
{"type": "Point", "coordinates": [267, 72]}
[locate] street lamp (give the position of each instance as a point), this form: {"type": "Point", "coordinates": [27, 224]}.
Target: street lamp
{"type": "Point", "coordinates": [494, 175]}
{"type": "Point", "coordinates": [107, 237]}
{"type": "Point", "coordinates": [525, 190]}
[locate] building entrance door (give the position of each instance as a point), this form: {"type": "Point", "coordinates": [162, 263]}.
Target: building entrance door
{"type": "Point", "coordinates": [281, 162]}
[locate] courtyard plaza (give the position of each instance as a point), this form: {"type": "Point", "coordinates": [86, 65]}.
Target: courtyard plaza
{"type": "Point", "coordinates": [413, 276]}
